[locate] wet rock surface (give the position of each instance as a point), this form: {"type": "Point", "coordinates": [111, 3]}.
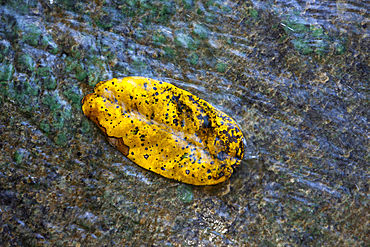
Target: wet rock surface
{"type": "Point", "coordinates": [294, 75]}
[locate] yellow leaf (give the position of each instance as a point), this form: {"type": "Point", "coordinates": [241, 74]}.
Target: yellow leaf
{"type": "Point", "coordinates": [166, 130]}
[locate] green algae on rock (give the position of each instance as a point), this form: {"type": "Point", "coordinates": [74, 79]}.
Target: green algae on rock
{"type": "Point", "coordinates": [166, 130]}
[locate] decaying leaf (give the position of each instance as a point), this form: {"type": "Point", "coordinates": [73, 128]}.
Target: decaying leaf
{"type": "Point", "coordinates": [166, 130]}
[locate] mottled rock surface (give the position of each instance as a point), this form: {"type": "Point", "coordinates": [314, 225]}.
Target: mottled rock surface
{"type": "Point", "coordinates": [295, 76]}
